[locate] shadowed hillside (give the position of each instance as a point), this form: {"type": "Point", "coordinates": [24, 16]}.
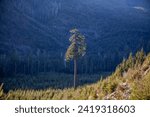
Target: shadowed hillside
{"type": "Point", "coordinates": [130, 81]}
{"type": "Point", "coordinates": [34, 33]}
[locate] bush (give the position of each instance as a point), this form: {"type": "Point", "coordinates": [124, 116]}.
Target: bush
{"type": "Point", "coordinates": [109, 86]}
{"type": "Point", "coordinates": [141, 89]}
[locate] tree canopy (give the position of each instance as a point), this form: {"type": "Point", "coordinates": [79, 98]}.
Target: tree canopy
{"type": "Point", "coordinates": [77, 47]}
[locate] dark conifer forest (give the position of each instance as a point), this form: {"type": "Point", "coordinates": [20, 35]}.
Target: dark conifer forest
{"type": "Point", "coordinates": [34, 38]}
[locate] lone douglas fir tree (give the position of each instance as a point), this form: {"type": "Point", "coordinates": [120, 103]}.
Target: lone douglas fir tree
{"type": "Point", "coordinates": [76, 49]}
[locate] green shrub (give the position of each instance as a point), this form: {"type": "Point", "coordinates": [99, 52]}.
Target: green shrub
{"type": "Point", "coordinates": [109, 86]}
{"type": "Point", "coordinates": [141, 89]}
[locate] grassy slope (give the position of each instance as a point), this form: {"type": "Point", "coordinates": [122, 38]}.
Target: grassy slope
{"type": "Point", "coordinates": [130, 81]}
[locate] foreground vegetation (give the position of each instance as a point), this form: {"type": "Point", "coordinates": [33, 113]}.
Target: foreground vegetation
{"type": "Point", "coordinates": [131, 80]}
{"type": "Point", "coordinates": [51, 80]}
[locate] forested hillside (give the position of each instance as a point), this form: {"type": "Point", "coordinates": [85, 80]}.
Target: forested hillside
{"type": "Point", "coordinates": [130, 81]}
{"type": "Point", "coordinates": [34, 34]}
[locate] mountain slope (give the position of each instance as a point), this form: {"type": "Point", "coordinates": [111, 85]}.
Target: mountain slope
{"type": "Point", "coordinates": [130, 81]}
{"type": "Point", "coordinates": [35, 27]}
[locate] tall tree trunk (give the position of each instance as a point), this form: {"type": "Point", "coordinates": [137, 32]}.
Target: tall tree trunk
{"type": "Point", "coordinates": [75, 72]}
{"type": "Point", "coordinates": [15, 67]}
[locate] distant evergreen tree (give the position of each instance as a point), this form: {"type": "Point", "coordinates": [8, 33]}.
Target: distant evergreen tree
{"type": "Point", "coordinates": [139, 57]}
{"type": "Point", "coordinates": [76, 49]}
{"type": "Point", "coordinates": [15, 60]}
{"type": "Point", "coordinates": [130, 62]}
